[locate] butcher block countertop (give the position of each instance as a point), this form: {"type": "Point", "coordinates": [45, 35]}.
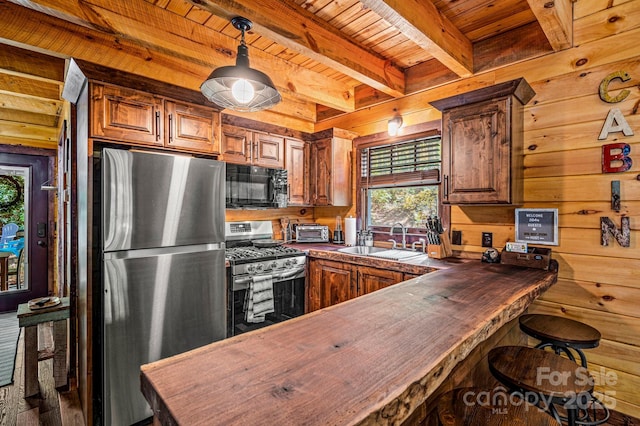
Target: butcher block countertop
{"type": "Point", "coordinates": [370, 360]}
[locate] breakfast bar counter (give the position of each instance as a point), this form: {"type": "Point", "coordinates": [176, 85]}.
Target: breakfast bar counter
{"type": "Point", "coordinates": [370, 360]}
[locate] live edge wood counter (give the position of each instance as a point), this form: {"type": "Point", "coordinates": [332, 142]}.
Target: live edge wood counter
{"type": "Point", "coordinates": [370, 360]}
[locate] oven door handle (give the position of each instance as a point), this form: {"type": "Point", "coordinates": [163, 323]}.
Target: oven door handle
{"type": "Point", "coordinates": [277, 277]}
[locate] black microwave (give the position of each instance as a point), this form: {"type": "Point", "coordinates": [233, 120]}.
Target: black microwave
{"type": "Point", "coordinates": [255, 187]}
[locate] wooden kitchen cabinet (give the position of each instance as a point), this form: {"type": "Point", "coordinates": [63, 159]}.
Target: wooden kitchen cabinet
{"type": "Point", "coordinates": [126, 115]}
{"type": "Point", "coordinates": [297, 164]}
{"type": "Point", "coordinates": [268, 150]}
{"type": "Point", "coordinates": [192, 127]}
{"type": "Point", "coordinates": [331, 168]}
{"type": "Point", "coordinates": [235, 144]}
{"type": "Point", "coordinates": [130, 116]}
{"type": "Point", "coordinates": [372, 279]}
{"type": "Point", "coordinates": [482, 144]}
{"type": "Point", "coordinates": [329, 283]}
{"type": "Point", "coordinates": [244, 146]}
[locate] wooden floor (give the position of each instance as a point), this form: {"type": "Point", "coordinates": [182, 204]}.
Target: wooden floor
{"type": "Point", "coordinates": [50, 408]}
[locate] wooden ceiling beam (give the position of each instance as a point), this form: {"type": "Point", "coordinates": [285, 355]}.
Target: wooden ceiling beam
{"type": "Point", "coordinates": [556, 19]}
{"type": "Point", "coordinates": [31, 63]}
{"type": "Point", "coordinates": [421, 22]}
{"type": "Point", "coordinates": [30, 131]}
{"type": "Point", "coordinates": [11, 100]}
{"type": "Point", "coordinates": [292, 26]}
{"type": "Point", "coordinates": [24, 85]}
{"type": "Point", "coordinates": [134, 38]}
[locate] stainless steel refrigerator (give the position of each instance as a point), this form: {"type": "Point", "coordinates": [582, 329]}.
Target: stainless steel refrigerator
{"type": "Point", "coordinates": [162, 269]}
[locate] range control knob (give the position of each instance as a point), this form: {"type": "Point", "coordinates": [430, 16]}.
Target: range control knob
{"type": "Point", "coordinates": [274, 264]}
{"type": "Point", "coordinates": [251, 269]}
{"type": "Point", "coordinates": [259, 267]}
{"type": "Point", "coordinates": [287, 263]}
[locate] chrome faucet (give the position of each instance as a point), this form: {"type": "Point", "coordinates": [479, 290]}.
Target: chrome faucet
{"type": "Point", "coordinates": [404, 233]}
{"type": "Point", "coordinates": [393, 242]}
{"type": "Point", "coordinates": [420, 241]}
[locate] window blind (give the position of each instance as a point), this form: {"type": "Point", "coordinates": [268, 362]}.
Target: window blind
{"type": "Point", "coordinates": [413, 162]}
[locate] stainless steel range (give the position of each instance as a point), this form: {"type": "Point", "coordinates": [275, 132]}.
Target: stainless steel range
{"type": "Point", "coordinates": [263, 273]}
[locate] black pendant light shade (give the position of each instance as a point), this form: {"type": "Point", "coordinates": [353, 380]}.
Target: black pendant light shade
{"type": "Point", "coordinates": [240, 87]}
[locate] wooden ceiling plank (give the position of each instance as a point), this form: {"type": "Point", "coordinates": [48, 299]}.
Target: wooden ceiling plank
{"type": "Point", "coordinates": [32, 143]}
{"type": "Point", "coordinates": [294, 27]}
{"type": "Point", "coordinates": [422, 23]}
{"type": "Point", "coordinates": [500, 26]}
{"type": "Point", "coordinates": [11, 82]}
{"type": "Point", "coordinates": [28, 117]}
{"type": "Point", "coordinates": [27, 131]}
{"type": "Point", "coordinates": [556, 20]}
{"type": "Point", "coordinates": [183, 57]}
{"type": "Point", "coordinates": [31, 63]}
{"type": "Point", "coordinates": [13, 101]}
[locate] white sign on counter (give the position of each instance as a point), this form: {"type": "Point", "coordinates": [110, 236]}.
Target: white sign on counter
{"type": "Point", "coordinates": [537, 226]}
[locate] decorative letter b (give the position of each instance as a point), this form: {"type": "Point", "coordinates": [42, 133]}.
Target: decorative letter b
{"type": "Point", "coordinates": [622, 156]}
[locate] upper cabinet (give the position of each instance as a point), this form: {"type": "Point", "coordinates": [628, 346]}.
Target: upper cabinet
{"type": "Point", "coordinates": [131, 116]}
{"type": "Point", "coordinates": [244, 146]}
{"type": "Point", "coordinates": [331, 168]}
{"type": "Point", "coordinates": [192, 127]}
{"type": "Point", "coordinates": [297, 165]}
{"type": "Point", "coordinates": [126, 115]}
{"type": "Point", "coordinates": [482, 144]}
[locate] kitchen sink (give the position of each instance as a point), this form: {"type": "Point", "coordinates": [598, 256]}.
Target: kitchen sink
{"type": "Point", "coordinates": [384, 253]}
{"type": "Point", "coordinates": [362, 250]}
{"type": "Point", "coordinates": [396, 254]}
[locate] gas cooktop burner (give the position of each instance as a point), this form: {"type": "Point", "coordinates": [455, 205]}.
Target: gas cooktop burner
{"type": "Point", "coordinates": [252, 252]}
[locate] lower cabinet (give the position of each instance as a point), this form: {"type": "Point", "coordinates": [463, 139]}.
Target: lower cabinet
{"type": "Point", "coordinates": [329, 283]}
{"type": "Point", "coordinates": [332, 282]}
{"type": "Point", "coordinates": [372, 279]}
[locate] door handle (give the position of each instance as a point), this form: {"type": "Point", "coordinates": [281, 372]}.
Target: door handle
{"type": "Point", "coordinates": [41, 243]}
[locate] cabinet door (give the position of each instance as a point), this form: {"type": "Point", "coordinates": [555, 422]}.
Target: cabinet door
{"type": "Point", "coordinates": [321, 172]}
{"type": "Point", "coordinates": [329, 283]}
{"type": "Point", "coordinates": [268, 150]}
{"type": "Point", "coordinates": [372, 279]}
{"type": "Point", "coordinates": [477, 152]}
{"type": "Point", "coordinates": [296, 161]}
{"type": "Point", "coordinates": [126, 115]}
{"type": "Point", "coordinates": [235, 145]}
{"type": "Point", "coordinates": [192, 127]}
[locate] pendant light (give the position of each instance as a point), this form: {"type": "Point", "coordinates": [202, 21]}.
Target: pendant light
{"type": "Point", "coordinates": [240, 87]}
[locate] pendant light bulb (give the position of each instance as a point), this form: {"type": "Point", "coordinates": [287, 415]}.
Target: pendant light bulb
{"type": "Point", "coordinates": [242, 91]}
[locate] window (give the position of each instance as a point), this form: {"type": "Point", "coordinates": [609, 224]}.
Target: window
{"type": "Point", "coordinates": [399, 182]}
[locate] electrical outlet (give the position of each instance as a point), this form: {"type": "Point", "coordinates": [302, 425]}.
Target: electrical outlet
{"type": "Point", "coordinates": [487, 239]}
{"type": "Point", "coordinates": [456, 238]}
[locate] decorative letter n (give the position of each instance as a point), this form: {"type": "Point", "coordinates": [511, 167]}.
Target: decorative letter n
{"type": "Point", "coordinates": [607, 227]}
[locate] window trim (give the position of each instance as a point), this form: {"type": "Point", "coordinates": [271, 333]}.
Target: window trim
{"type": "Point", "coordinates": [425, 130]}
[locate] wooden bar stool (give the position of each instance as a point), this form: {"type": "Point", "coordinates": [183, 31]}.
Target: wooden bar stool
{"type": "Point", "coordinates": [561, 334]}
{"type": "Point", "coordinates": [483, 407]}
{"type": "Point", "coordinates": [548, 380]}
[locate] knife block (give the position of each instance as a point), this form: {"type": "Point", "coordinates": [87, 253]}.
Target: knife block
{"type": "Point", "coordinates": [435, 251]}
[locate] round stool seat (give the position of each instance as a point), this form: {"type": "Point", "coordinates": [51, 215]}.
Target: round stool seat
{"type": "Point", "coordinates": [483, 407]}
{"type": "Point", "coordinates": [545, 378]}
{"type": "Point", "coordinates": [561, 334]}
{"type": "Point", "coordinates": [560, 331]}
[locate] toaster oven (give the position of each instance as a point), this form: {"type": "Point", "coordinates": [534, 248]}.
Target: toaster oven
{"type": "Point", "coordinates": [312, 233]}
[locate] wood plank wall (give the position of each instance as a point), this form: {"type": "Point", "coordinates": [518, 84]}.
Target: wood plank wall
{"type": "Point", "coordinates": [597, 285]}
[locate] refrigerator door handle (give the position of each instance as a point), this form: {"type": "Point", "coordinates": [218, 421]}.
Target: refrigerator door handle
{"type": "Point", "coordinates": [142, 253]}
